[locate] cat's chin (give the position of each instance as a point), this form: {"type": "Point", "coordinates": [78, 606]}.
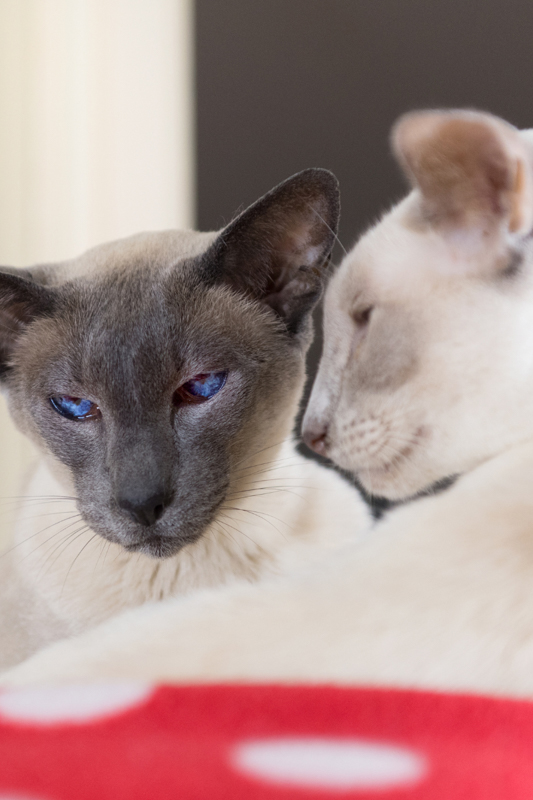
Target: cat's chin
{"type": "Point", "coordinates": [388, 481]}
{"type": "Point", "coordinates": [401, 491]}
{"type": "Point", "coordinates": [159, 547]}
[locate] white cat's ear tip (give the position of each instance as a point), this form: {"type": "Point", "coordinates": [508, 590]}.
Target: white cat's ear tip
{"type": "Point", "coordinates": [408, 125]}
{"type": "Point", "coordinates": [453, 136]}
{"type": "Point", "coordinates": [419, 124]}
{"type": "Point", "coordinates": [472, 168]}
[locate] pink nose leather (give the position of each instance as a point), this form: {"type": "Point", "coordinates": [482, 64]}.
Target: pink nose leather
{"type": "Point", "coordinates": [315, 438]}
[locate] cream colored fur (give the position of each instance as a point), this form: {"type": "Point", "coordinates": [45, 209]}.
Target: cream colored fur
{"type": "Point", "coordinates": [436, 380]}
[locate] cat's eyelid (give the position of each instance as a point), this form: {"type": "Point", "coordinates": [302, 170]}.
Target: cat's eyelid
{"type": "Point", "coordinates": [78, 393]}
{"type": "Point", "coordinates": [361, 316]}
{"type": "Point", "coordinates": [192, 375]}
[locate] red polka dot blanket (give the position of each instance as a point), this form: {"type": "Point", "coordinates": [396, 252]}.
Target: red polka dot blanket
{"type": "Point", "coordinates": [138, 742]}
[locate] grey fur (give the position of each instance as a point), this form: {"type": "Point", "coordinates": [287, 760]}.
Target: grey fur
{"type": "Point", "coordinates": [138, 321]}
{"type": "Point", "coordinates": [124, 326]}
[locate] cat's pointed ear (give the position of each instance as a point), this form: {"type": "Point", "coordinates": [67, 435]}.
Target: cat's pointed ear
{"type": "Point", "coordinates": [276, 251]}
{"type": "Point", "coordinates": [21, 302]}
{"type": "Point", "coordinates": [473, 170]}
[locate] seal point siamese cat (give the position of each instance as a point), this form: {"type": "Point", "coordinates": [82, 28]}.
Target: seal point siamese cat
{"type": "Point", "coordinates": [427, 372]}
{"type": "Point", "coordinates": [160, 376]}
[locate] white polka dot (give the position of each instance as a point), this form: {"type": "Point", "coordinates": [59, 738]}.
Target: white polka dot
{"type": "Point", "coordinates": [334, 764]}
{"type": "Point", "coordinates": [18, 797]}
{"type": "Point", "coordinates": [71, 703]}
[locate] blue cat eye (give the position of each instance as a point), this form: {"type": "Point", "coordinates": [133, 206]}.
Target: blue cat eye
{"type": "Point", "coordinates": [201, 387]}
{"type": "Point", "coordinates": [74, 407]}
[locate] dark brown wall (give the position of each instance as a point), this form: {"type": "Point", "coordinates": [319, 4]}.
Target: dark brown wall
{"type": "Point", "coordinates": [288, 84]}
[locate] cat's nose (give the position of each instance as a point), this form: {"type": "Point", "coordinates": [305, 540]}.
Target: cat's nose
{"type": "Point", "coordinates": [146, 511]}
{"type": "Point", "coordinates": [314, 435]}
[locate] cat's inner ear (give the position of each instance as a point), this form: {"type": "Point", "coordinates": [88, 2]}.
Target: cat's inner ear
{"type": "Point", "coordinates": [276, 251]}
{"type": "Point", "coordinates": [473, 170]}
{"type": "Point", "coordinates": [21, 302]}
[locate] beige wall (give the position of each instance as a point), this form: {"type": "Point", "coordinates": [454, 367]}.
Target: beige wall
{"type": "Point", "coordinates": [96, 136]}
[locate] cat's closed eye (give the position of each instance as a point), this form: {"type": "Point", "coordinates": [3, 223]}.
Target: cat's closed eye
{"type": "Point", "coordinates": [200, 388]}
{"type": "Point", "coordinates": [361, 317]}
{"type": "Point", "coordinates": [75, 408]}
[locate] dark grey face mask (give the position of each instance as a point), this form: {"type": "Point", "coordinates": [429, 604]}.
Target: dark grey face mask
{"type": "Point", "coordinates": [150, 367]}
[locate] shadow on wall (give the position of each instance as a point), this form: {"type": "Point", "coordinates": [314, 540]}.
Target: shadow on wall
{"type": "Point", "coordinates": [284, 86]}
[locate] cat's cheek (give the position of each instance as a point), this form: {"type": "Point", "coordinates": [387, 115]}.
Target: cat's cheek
{"type": "Point", "coordinates": [61, 473]}
{"type": "Point", "coordinates": [75, 451]}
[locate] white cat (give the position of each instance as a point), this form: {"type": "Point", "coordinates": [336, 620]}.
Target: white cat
{"type": "Point", "coordinates": [427, 373]}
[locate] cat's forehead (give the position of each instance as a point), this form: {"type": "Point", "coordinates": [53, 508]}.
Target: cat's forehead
{"type": "Point", "coordinates": [153, 249]}
{"type": "Point", "coordinates": [148, 307]}
{"type": "Point", "coordinates": [402, 261]}
{"type": "Point", "coordinates": [139, 283]}
{"type": "Point", "coordinates": [144, 314]}
{"type": "Point", "coordinates": [386, 257]}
